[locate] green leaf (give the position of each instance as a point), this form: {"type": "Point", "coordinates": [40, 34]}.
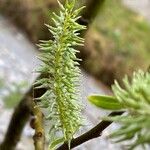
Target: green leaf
{"type": "Point", "coordinates": [55, 143]}
{"type": "Point", "coordinates": [105, 102]}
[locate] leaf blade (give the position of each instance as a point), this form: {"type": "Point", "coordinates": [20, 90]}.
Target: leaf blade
{"type": "Point", "coordinates": [105, 102]}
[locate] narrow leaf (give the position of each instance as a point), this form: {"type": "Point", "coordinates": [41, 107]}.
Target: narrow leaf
{"type": "Point", "coordinates": [105, 102]}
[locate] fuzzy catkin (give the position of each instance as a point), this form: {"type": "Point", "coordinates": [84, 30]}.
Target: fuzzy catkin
{"type": "Point", "coordinates": [135, 99]}
{"type": "Point", "coordinates": [60, 67]}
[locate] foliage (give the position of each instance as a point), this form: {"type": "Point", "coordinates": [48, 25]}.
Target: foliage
{"type": "Point", "coordinates": [13, 93]}
{"type": "Point", "coordinates": [135, 101]}
{"type": "Point", "coordinates": [105, 102]}
{"type": "Point", "coordinates": [62, 74]}
{"type": "Point", "coordinates": [1, 83]}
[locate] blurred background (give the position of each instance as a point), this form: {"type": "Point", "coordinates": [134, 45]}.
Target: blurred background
{"type": "Point", "coordinates": [116, 43]}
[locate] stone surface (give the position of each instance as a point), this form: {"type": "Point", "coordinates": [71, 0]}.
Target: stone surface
{"type": "Point", "coordinates": [140, 6]}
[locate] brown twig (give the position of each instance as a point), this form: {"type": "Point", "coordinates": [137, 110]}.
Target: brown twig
{"type": "Point", "coordinates": [17, 123]}
{"type": "Point", "coordinates": [91, 134]}
{"type": "Point", "coordinates": [92, 8]}
{"type": "Point", "coordinates": [38, 125]}
{"type": "Point", "coordinates": [19, 119]}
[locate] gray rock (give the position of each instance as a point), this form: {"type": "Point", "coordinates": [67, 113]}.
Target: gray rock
{"type": "Point", "coordinates": [140, 6]}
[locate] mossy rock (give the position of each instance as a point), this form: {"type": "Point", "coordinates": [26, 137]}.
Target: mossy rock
{"type": "Point", "coordinates": [117, 43]}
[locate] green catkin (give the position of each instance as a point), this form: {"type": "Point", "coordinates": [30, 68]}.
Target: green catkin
{"type": "Point", "coordinates": [60, 67]}
{"type": "Point", "coordinates": [135, 97]}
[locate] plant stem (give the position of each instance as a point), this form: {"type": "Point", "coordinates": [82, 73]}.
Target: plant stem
{"type": "Point", "coordinates": [37, 124]}
{"type": "Point", "coordinates": [94, 5]}
{"type": "Point", "coordinates": [91, 11]}
{"type": "Point", "coordinates": [19, 119]}
{"type": "Point", "coordinates": [91, 134]}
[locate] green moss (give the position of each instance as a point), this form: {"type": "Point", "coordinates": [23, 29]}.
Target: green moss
{"type": "Point", "coordinates": [129, 31]}
{"type": "Point", "coordinates": [126, 36]}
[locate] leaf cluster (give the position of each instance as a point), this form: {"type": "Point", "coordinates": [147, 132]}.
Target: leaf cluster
{"type": "Point", "coordinates": [134, 99]}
